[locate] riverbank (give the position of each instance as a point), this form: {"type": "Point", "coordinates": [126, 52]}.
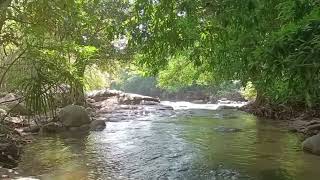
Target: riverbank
{"type": "Point", "coordinates": [298, 119]}
{"type": "Point", "coordinates": [11, 148]}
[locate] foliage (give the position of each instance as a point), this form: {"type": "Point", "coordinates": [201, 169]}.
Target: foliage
{"type": "Point", "coordinates": [249, 92]}
{"type": "Point", "coordinates": [95, 79]}
{"type": "Point", "coordinates": [132, 82]}
{"type": "Point", "coordinates": [47, 44]}
{"type": "Point", "coordinates": [273, 44]}
{"type": "Point", "coordinates": [179, 73]}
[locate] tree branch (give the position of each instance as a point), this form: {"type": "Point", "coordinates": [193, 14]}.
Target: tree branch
{"type": "Point", "coordinates": [10, 65]}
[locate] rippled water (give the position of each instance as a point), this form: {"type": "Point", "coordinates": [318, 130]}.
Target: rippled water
{"type": "Point", "coordinates": [184, 146]}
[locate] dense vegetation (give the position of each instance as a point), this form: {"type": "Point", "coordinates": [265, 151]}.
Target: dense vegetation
{"type": "Point", "coordinates": [271, 45]}
{"type": "Point", "coordinates": [48, 45]}
{"type": "Point", "coordinates": [166, 88]}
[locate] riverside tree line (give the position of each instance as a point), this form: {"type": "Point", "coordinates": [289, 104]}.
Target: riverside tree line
{"type": "Point", "coordinates": [273, 45]}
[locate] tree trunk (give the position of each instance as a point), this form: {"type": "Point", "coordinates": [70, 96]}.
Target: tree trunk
{"type": "Point", "coordinates": [79, 94]}
{"type": "Point", "coordinates": [78, 89]}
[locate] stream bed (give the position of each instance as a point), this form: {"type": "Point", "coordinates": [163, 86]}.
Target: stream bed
{"type": "Point", "coordinates": [196, 142]}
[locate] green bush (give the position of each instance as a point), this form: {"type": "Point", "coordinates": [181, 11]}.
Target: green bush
{"type": "Point", "coordinates": [249, 92]}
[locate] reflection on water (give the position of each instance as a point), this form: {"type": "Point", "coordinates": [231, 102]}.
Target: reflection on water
{"type": "Point", "coordinates": [181, 147]}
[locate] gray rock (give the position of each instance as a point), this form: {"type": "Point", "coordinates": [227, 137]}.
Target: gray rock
{"type": "Point", "coordinates": [11, 102]}
{"type": "Point", "coordinates": [31, 129]}
{"type": "Point", "coordinates": [312, 144]}
{"type": "Point", "coordinates": [89, 100]}
{"type": "Point", "coordinates": [8, 97]}
{"type": "Point", "coordinates": [97, 125]}
{"type": "Point", "coordinates": [2, 112]}
{"type": "Point", "coordinates": [313, 127]}
{"type": "Point", "coordinates": [164, 107]}
{"type": "Point", "coordinates": [136, 99]}
{"type": "Point", "coordinates": [150, 103]}
{"type": "Point", "coordinates": [312, 122]}
{"type": "Point", "coordinates": [227, 130]}
{"type": "Point", "coordinates": [82, 128]}
{"type": "Point", "coordinates": [73, 116]}
{"type": "Point", "coordinates": [19, 109]}
{"type": "Point", "coordinates": [16, 120]}
{"type": "Point", "coordinates": [53, 127]}
{"type": "Point", "coordinates": [101, 95]}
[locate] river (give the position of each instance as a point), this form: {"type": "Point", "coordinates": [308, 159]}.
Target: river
{"type": "Point", "coordinates": [197, 142]}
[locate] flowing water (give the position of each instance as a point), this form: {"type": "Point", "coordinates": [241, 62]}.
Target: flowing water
{"type": "Point", "coordinates": [196, 143]}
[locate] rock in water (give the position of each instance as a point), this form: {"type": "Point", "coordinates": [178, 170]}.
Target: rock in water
{"type": "Point", "coordinates": [97, 125]}
{"type": "Point", "coordinates": [312, 144]}
{"type": "Point", "coordinates": [53, 127]}
{"type": "Point", "coordinates": [227, 130]}
{"type": "Point", "coordinates": [73, 116]}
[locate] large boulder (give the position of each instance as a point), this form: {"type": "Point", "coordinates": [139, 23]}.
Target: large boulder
{"type": "Point", "coordinates": [18, 109]}
{"type": "Point", "coordinates": [312, 144]}
{"type": "Point", "coordinates": [73, 116]}
{"type": "Point", "coordinates": [11, 103]}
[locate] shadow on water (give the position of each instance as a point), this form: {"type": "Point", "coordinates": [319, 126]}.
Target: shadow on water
{"type": "Point", "coordinates": [56, 157]}
{"type": "Point", "coordinates": [187, 146]}
{"type": "Point", "coordinates": [275, 174]}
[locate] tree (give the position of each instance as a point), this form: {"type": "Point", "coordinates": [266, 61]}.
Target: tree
{"type": "Point", "coordinates": [273, 44]}
{"type": "Point", "coordinates": [59, 40]}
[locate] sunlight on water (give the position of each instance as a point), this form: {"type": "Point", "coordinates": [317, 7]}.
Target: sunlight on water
{"type": "Point", "coordinates": [182, 105]}
{"type": "Point", "coordinates": [194, 144]}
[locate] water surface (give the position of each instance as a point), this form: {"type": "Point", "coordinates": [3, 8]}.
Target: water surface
{"type": "Point", "coordinates": [184, 146]}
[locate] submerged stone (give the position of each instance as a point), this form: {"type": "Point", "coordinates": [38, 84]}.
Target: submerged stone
{"type": "Point", "coordinates": [226, 129]}
{"type": "Point", "coordinates": [312, 144]}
